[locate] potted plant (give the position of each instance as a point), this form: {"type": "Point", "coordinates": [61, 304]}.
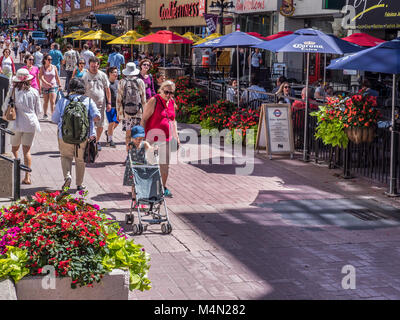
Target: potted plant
{"type": "Point", "coordinates": [70, 235]}
{"type": "Point", "coordinates": [360, 118]}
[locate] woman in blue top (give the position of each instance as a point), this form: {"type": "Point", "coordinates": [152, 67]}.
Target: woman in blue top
{"type": "Point", "coordinates": [80, 71]}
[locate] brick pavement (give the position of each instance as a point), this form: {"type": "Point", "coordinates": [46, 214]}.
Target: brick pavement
{"type": "Point", "coordinates": [240, 237]}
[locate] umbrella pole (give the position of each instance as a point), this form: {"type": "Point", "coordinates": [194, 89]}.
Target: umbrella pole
{"type": "Point", "coordinates": [324, 70]}
{"type": "Point", "coordinates": [237, 76]}
{"type": "Point", "coordinates": [165, 53]}
{"type": "Point", "coordinates": [393, 180]}
{"type": "Point", "coordinates": [250, 67]}
{"type": "Point", "coordinates": [305, 147]}
{"type": "Point", "coordinates": [131, 52]}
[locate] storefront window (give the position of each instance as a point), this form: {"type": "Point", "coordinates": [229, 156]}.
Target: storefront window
{"type": "Point", "coordinates": [255, 23]}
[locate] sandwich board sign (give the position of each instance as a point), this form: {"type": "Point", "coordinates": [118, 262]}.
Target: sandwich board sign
{"type": "Point", "coordinates": [275, 130]}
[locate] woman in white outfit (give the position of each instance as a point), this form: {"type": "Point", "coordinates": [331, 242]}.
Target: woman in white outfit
{"type": "Point", "coordinates": [28, 106]}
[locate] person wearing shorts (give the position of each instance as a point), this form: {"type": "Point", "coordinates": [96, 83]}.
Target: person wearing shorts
{"type": "Point", "coordinates": [128, 122]}
{"type": "Point", "coordinates": [49, 78]}
{"type": "Point", "coordinates": [28, 106]}
{"type": "Point", "coordinates": [111, 112]}
{"type": "Point", "coordinates": [97, 87]}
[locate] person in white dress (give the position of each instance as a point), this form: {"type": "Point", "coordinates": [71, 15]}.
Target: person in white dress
{"type": "Point", "coordinates": [28, 107]}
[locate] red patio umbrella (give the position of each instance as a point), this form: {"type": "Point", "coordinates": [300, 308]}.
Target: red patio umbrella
{"type": "Point", "coordinates": [257, 35]}
{"type": "Point", "coordinates": [278, 35]}
{"type": "Point", "coordinates": [165, 37]}
{"type": "Point", "coordinates": [363, 39]}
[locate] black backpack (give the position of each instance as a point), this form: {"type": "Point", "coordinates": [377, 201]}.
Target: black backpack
{"type": "Point", "coordinates": [75, 122]}
{"type": "Point", "coordinates": [91, 152]}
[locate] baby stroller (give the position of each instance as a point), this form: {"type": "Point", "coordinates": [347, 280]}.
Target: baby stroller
{"type": "Point", "coordinates": [149, 192]}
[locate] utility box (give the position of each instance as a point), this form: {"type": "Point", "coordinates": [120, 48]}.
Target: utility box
{"type": "Point", "coordinates": [6, 177]}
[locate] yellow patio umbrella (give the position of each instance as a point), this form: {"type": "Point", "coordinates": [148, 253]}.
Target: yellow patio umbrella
{"type": "Point", "coordinates": [192, 36]}
{"type": "Point", "coordinates": [128, 38]}
{"type": "Point", "coordinates": [79, 38]}
{"type": "Point", "coordinates": [74, 34]}
{"type": "Point", "coordinates": [98, 35]}
{"type": "Point", "coordinates": [210, 37]}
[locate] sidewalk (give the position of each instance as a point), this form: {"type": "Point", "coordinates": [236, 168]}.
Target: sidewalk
{"type": "Point", "coordinates": [283, 232]}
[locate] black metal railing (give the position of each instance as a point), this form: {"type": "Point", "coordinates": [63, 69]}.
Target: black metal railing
{"type": "Point", "coordinates": [17, 166]}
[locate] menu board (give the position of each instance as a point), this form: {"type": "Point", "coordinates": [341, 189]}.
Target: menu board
{"type": "Point", "coordinates": [275, 130]}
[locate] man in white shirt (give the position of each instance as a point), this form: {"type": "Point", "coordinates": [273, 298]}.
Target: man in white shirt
{"type": "Point", "coordinates": [38, 55]}
{"type": "Point", "coordinates": [97, 87]}
{"type": "Point", "coordinates": [70, 62]}
{"type": "Point", "coordinates": [86, 54]}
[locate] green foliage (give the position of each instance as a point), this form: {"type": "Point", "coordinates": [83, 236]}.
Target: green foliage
{"type": "Point", "coordinates": [330, 128]}
{"type": "Point", "coordinates": [12, 264]}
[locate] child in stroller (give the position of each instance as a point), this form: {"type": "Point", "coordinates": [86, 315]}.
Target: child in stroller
{"type": "Point", "coordinates": [142, 172]}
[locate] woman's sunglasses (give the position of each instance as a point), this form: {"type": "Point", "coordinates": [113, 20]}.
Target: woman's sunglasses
{"type": "Point", "coordinates": [146, 65]}
{"type": "Point", "coordinates": [168, 92]}
{"type": "Point", "coordinates": [31, 59]}
{"type": "Point", "coordinates": [286, 87]}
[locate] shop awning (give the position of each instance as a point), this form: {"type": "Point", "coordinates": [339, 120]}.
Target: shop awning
{"type": "Point", "coordinates": [105, 19]}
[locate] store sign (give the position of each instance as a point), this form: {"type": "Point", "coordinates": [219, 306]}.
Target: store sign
{"type": "Point", "coordinates": [287, 9]}
{"type": "Point", "coordinates": [372, 14]}
{"type": "Point", "coordinates": [308, 46]}
{"type": "Point", "coordinates": [247, 6]}
{"type": "Point", "coordinates": [175, 10]}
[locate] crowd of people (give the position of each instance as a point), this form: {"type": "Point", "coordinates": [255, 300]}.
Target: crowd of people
{"type": "Point", "coordinates": [126, 93]}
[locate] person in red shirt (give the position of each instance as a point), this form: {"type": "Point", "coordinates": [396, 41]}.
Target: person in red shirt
{"type": "Point", "coordinates": [300, 105]}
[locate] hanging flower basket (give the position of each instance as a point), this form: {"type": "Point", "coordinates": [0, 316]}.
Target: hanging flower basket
{"type": "Point", "coordinates": [359, 135]}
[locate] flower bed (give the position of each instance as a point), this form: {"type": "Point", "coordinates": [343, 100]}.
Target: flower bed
{"type": "Point", "coordinates": [70, 235]}
{"type": "Point", "coordinates": [189, 101]}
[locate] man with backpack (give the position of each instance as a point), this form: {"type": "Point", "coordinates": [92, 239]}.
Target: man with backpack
{"type": "Point", "coordinates": [131, 98]}
{"type": "Point", "coordinates": [97, 87]}
{"type": "Point", "coordinates": [70, 60]}
{"type": "Point", "coordinates": [75, 116]}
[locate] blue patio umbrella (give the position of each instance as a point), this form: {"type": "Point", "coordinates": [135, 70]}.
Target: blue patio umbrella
{"type": "Point", "coordinates": [384, 58]}
{"type": "Point", "coordinates": [308, 41]}
{"type": "Point", "coordinates": [236, 40]}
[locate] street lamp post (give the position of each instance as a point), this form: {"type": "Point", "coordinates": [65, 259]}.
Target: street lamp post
{"type": "Point", "coordinates": [222, 4]}
{"type": "Point", "coordinates": [91, 17]}
{"type": "Point", "coordinates": [133, 13]}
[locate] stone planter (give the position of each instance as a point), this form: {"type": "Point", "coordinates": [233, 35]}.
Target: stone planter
{"type": "Point", "coordinates": [360, 135]}
{"type": "Point", "coordinates": [113, 286]}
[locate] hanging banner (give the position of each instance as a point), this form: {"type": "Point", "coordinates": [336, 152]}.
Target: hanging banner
{"type": "Point", "coordinates": [202, 7]}
{"type": "Point", "coordinates": [59, 6]}
{"type": "Point", "coordinates": [211, 21]}
{"type": "Point", "coordinates": [88, 3]}
{"type": "Point", "coordinates": [77, 4]}
{"type": "Point", "coordinates": [67, 5]}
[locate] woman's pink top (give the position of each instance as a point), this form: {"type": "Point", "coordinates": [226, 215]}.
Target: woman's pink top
{"type": "Point", "coordinates": [159, 121]}
{"type": "Point", "coordinates": [35, 73]}
{"type": "Point", "coordinates": [50, 77]}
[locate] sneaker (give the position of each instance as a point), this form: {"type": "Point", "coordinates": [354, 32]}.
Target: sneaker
{"type": "Point", "coordinates": [112, 144]}
{"type": "Point", "coordinates": [81, 187]}
{"type": "Point", "coordinates": [167, 193]}
{"type": "Point", "coordinates": [98, 146]}
{"type": "Point", "coordinates": [67, 183]}
{"type": "Point", "coordinates": [45, 117]}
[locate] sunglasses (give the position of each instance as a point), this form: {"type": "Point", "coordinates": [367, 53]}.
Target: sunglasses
{"type": "Point", "coordinates": [286, 87]}
{"type": "Point", "coordinates": [146, 65]}
{"type": "Point", "coordinates": [168, 92]}
{"type": "Point", "coordinates": [31, 59]}
{"type": "Point", "coordinates": [49, 59]}
{"type": "Point", "coordinates": [81, 63]}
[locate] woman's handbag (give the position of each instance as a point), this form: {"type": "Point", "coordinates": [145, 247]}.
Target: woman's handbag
{"type": "Point", "coordinates": [91, 151]}
{"type": "Point", "coordinates": [11, 112]}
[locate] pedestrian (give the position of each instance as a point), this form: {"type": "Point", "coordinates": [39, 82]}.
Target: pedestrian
{"type": "Point", "coordinates": [56, 55]}
{"type": "Point", "coordinates": [49, 80]}
{"type": "Point", "coordinates": [15, 47]}
{"type": "Point", "coordinates": [86, 54]}
{"type": "Point", "coordinates": [70, 152]}
{"type": "Point", "coordinates": [131, 98]}
{"type": "Point", "coordinates": [116, 59]}
{"type": "Point", "coordinates": [38, 55]}
{"type": "Point", "coordinates": [256, 61]}
{"type": "Point", "coordinates": [111, 113]}
{"type": "Point", "coordinates": [23, 47]}
{"type": "Point", "coordinates": [70, 62]}
{"type": "Point", "coordinates": [7, 65]}
{"type": "Point", "coordinates": [159, 117]}
{"type": "Point", "coordinates": [145, 65]}
{"type": "Point", "coordinates": [97, 87]}
{"type": "Point", "coordinates": [80, 71]}
{"type": "Point", "coordinates": [33, 70]}
{"type": "Point", "coordinates": [160, 78]}
{"type": "Point", "coordinates": [28, 106]}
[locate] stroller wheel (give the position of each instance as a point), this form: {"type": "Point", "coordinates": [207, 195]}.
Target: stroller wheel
{"type": "Point", "coordinates": [138, 229]}
{"type": "Point", "coordinates": [166, 228]}
{"type": "Point", "coordinates": [129, 219]}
